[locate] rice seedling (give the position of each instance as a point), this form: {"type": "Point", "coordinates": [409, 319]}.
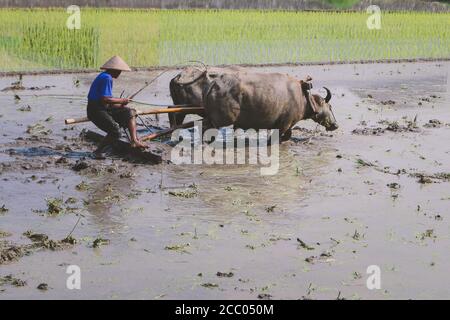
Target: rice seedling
{"type": "Point", "coordinates": [37, 38]}
{"type": "Point", "coordinates": [76, 49]}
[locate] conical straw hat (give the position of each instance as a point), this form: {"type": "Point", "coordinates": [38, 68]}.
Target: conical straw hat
{"type": "Point", "coordinates": [116, 63]}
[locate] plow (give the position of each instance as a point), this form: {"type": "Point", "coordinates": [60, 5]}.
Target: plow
{"type": "Point", "coordinates": [154, 155]}
{"type": "Point", "coordinates": [183, 109]}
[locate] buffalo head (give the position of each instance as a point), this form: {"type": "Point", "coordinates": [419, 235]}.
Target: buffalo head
{"type": "Point", "coordinates": [322, 111]}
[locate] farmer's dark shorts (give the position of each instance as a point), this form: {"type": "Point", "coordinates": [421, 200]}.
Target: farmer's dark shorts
{"type": "Point", "coordinates": [109, 120]}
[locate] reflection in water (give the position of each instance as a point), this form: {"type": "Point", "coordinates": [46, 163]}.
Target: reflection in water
{"type": "Point", "coordinates": [227, 189]}
{"type": "Point", "coordinates": [108, 194]}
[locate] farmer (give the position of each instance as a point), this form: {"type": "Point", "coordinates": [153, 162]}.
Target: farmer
{"type": "Point", "coordinates": [108, 113]}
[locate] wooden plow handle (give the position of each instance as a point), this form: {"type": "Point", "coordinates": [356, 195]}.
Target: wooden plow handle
{"type": "Point", "coordinates": [193, 109]}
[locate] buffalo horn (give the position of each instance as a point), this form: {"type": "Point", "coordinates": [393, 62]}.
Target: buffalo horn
{"type": "Point", "coordinates": [328, 97]}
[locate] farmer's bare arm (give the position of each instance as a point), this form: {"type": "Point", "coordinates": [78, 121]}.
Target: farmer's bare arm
{"type": "Point", "coordinates": [115, 102]}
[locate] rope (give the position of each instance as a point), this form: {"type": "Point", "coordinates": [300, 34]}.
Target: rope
{"type": "Point", "coordinates": [159, 105]}
{"type": "Point", "coordinates": [143, 123]}
{"type": "Point", "coordinates": [126, 133]}
{"type": "Point", "coordinates": [163, 72]}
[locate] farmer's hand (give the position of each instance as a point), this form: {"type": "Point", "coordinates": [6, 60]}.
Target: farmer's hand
{"type": "Point", "coordinates": [115, 102]}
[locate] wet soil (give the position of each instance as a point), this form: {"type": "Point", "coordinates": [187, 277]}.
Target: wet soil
{"type": "Point", "coordinates": [374, 192]}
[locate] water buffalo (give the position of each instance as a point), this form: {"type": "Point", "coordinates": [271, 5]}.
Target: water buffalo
{"type": "Point", "coordinates": [234, 96]}
{"type": "Point", "coordinates": [188, 87]}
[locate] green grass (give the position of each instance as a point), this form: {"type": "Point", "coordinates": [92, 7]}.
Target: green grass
{"type": "Point", "coordinates": [37, 39]}
{"type": "Point", "coordinates": [346, 4]}
{"type": "Point", "coordinates": [343, 4]}
{"type": "Point", "coordinates": [76, 48]}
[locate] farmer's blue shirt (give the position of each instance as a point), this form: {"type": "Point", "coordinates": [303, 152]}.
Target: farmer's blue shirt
{"type": "Point", "coordinates": [101, 87]}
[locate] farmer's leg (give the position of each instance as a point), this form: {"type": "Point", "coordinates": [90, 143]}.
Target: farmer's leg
{"type": "Point", "coordinates": [126, 117]}
{"type": "Point", "coordinates": [103, 120]}
{"type": "Point", "coordinates": [134, 138]}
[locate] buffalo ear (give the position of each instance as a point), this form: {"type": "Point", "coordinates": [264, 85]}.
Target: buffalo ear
{"type": "Point", "coordinates": [314, 105]}
{"type": "Point", "coordinates": [177, 78]}
{"type": "Point", "coordinates": [306, 86]}
{"type": "Point", "coordinates": [328, 97]}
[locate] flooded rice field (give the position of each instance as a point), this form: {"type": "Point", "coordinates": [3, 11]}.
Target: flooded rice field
{"type": "Point", "coordinates": [374, 192]}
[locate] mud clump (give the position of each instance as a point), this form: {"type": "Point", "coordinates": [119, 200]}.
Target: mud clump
{"type": "Point", "coordinates": [388, 102]}
{"type": "Point", "coordinates": [35, 237]}
{"type": "Point", "coordinates": [393, 185]}
{"type": "Point", "coordinates": [18, 86]}
{"type": "Point", "coordinates": [54, 206]}
{"type": "Point", "coordinates": [225, 274]}
{"type": "Point", "coordinates": [69, 241]}
{"type": "Point", "coordinates": [80, 165]}
{"type": "Point", "coordinates": [25, 109]}
{"type": "Point", "coordinates": [57, 206]}
{"type": "Point", "coordinates": [42, 241]}
{"type": "Point", "coordinates": [82, 186]}
{"type": "Point", "coordinates": [190, 192]}
{"type": "Point", "coordinates": [264, 296]}
{"type": "Point", "coordinates": [126, 175]}
{"type": "Point", "coordinates": [396, 127]}
{"type": "Point", "coordinates": [424, 178]}
{"type": "Point", "coordinates": [62, 160]}
{"type": "Point", "coordinates": [303, 245]}
{"type": "Point", "coordinates": [4, 234]}
{"type": "Point", "coordinates": [42, 287]}
{"type": "Point", "coordinates": [210, 285]}
{"type": "Point", "coordinates": [363, 163]}
{"type": "Point", "coordinates": [433, 123]}
{"type": "Point", "coordinates": [178, 247]}
{"type": "Point", "coordinates": [10, 253]}
{"type": "Point", "coordinates": [429, 233]}
{"type": "Point", "coordinates": [100, 242]}
{"type": "Point", "coordinates": [392, 126]}
{"type": "Point", "coordinates": [369, 131]}
{"type": "Point", "coordinates": [11, 280]}
{"type": "Point", "coordinates": [38, 129]}
{"type": "Point", "coordinates": [3, 209]}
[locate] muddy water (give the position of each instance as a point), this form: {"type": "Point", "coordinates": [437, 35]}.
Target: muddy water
{"type": "Point", "coordinates": [350, 215]}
